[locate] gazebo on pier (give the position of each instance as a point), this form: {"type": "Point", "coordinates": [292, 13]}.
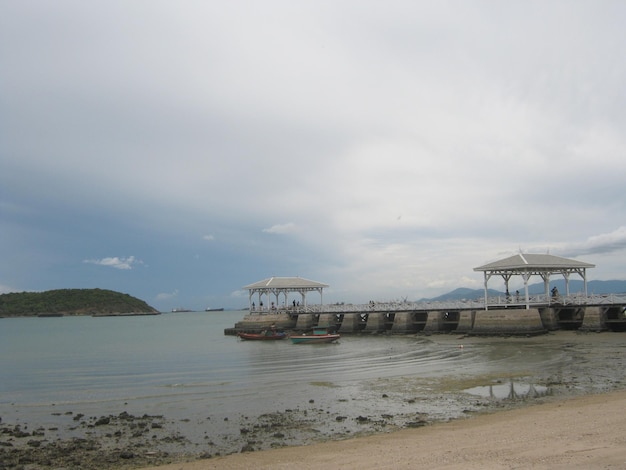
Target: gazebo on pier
{"type": "Point", "coordinates": [275, 287]}
{"type": "Point", "coordinates": [527, 265]}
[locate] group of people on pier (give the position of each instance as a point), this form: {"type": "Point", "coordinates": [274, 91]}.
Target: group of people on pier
{"type": "Point", "coordinates": [295, 305]}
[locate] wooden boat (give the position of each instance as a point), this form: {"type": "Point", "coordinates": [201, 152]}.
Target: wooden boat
{"type": "Point", "coordinates": [319, 335]}
{"type": "Point", "coordinates": [263, 336]}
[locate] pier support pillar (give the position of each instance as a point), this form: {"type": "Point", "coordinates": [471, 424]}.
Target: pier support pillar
{"type": "Point", "coordinates": [594, 319]}
{"type": "Point", "coordinates": [350, 323]}
{"type": "Point", "coordinates": [305, 321]}
{"type": "Point", "coordinates": [434, 322]}
{"type": "Point", "coordinates": [327, 320]}
{"type": "Point", "coordinates": [375, 323]}
{"type": "Point", "coordinates": [403, 323]}
{"type": "Point", "coordinates": [466, 321]}
{"type": "Point", "coordinates": [549, 318]}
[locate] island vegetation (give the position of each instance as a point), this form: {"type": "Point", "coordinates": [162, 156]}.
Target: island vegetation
{"type": "Point", "coordinates": [72, 302]}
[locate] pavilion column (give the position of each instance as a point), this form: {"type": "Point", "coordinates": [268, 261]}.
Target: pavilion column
{"type": "Point", "coordinates": [566, 276]}
{"type": "Point", "coordinates": [546, 285]}
{"type": "Point", "coordinates": [507, 278]}
{"type": "Point", "coordinates": [486, 282]}
{"type": "Point", "coordinates": [526, 277]}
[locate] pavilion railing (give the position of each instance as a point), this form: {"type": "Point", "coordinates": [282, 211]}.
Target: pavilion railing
{"type": "Point", "coordinates": [542, 300]}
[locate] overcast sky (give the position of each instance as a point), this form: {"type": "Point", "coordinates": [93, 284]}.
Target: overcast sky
{"type": "Point", "coordinates": [180, 150]}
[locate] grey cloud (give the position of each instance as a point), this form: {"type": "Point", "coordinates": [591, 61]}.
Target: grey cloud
{"type": "Point", "coordinates": [613, 242]}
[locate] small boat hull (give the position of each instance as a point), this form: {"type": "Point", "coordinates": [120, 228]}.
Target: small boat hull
{"type": "Point", "coordinates": [315, 339]}
{"type": "Point", "coordinates": [262, 336]}
{"type": "Point", "coordinates": [320, 334]}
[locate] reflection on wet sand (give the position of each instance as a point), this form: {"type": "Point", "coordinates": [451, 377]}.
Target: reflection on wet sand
{"type": "Point", "coordinates": [510, 391]}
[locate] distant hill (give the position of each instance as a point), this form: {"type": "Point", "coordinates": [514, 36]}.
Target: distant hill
{"type": "Point", "coordinates": [71, 302]}
{"type": "Point", "coordinates": [463, 293]}
{"type": "Point", "coordinates": [575, 285]}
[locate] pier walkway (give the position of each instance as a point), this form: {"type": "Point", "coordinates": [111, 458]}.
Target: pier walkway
{"type": "Point", "coordinates": [538, 301]}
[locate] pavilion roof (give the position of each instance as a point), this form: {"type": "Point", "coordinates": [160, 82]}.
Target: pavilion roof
{"type": "Point", "coordinates": [527, 261]}
{"type": "Point", "coordinates": [293, 283]}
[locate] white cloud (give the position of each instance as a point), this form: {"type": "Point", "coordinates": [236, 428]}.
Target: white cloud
{"type": "Point", "coordinates": [239, 294]}
{"type": "Point", "coordinates": [167, 295]}
{"type": "Point", "coordinates": [116, 262]}
{"type": "Point", "coordinates": [281, 229]}
{"type": "Point", "coordinates": [208, 238]}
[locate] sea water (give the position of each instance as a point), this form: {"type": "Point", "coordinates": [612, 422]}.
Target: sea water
{"type": "Point", "coordinates": [183, 367]}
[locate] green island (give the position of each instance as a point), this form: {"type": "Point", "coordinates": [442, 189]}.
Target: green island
{"type": "Point", "coordinates": [61, 302]}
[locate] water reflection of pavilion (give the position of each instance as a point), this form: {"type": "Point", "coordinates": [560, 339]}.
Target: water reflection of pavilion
{"type": "Point", "coordinates": [511, 391]}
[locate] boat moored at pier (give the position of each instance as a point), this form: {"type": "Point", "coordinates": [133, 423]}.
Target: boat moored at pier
{"type": "Point", "coordinates": [319, 335]}
{"type": "Point", "coordinates": [263, 336]}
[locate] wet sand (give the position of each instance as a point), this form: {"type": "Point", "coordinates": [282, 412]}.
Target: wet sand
{"type": "Point", "coordinates": [583, 432]}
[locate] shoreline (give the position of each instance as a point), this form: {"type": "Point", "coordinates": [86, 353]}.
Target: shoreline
{"type": "Point", "coordinates": [580, 432]}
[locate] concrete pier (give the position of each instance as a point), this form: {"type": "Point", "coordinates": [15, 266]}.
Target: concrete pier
{"type": "Point", "coordinates": [327, 320]}
{"type": "Point", "coordinates": [376, 322]}
{"type": "Point", "coordinates": [466, 321]}
{"type": "Point", "coordinates": [594, 319]}
{"type": "Point", "coordinates": [403, 323]}
{"type": "Point", "coordinates": [256, 322]}
{"type": "Point", "coordinates": [512, 320]}
{"type": "Point", "coordinates": [434, 322]}
{"type": "Point", "coordinates": [549, 318]}
{"type": "Point", "coordinates": [508, 321]}
{"type": "Point", "coordinates": [350, 323]}
{"type": "Point", "coordinates": [305, 322]}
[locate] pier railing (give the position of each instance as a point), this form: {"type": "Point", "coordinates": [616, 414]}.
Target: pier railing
{"type": "Point", "coordinates": [452, 305]}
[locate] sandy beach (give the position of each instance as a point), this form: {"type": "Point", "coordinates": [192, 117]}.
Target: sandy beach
{"type": "Point", "coordinates": [583, 432]}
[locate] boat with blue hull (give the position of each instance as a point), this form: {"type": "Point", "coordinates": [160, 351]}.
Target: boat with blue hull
{"type": "Point", "coordinates": [319, 335]}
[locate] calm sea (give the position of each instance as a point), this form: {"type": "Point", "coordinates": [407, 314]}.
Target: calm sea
{"type": "Point", "coordinates": [182, 366]}
{"type": "Point", "coordinates": [181, 357]}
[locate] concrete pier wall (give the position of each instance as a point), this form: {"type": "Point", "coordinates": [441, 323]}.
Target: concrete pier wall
{"type": "Point", "coordinates": [466, 321]}
{"type": "Point", "coordinates": [434, 322]}
{"type": "Point", "coordinates": [549, 319]}
{"type": "Point", "coordinates": [403, 323]}
{"type": "Point", "coordinates": [594, 319]}
{"type": "Point", "coordinates": [375, 323]}
{"type": "Point", "coordinates": [305, 322]}
{"type": "Point", "coordinates": [259, 322]}
{"type": "Point", "coordinates": [504, 321]}
{"type": "Point", "coordinates": [327, 320]}
{"type": "Point", "coordinates": [350, 323]}
{"type": "Point", "coordinates": [508, 321]}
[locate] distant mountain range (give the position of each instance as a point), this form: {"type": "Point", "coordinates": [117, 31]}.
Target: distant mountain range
{"type": "Point", "coordinates": [575, 285]}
